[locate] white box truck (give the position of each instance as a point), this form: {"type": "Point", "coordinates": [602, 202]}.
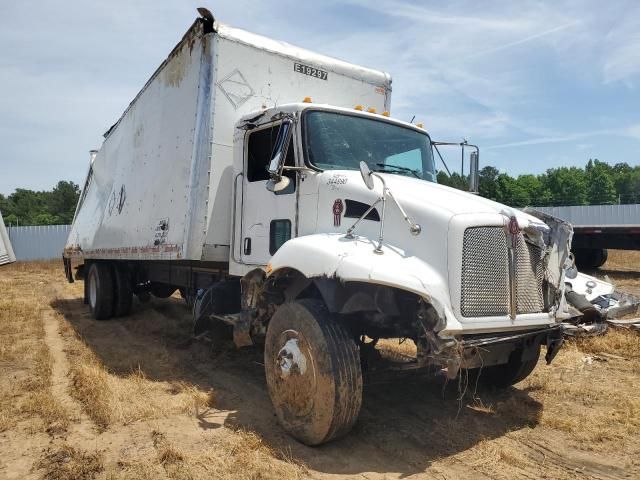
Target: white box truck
{"type": "Point", "coordinates": [271, 186]}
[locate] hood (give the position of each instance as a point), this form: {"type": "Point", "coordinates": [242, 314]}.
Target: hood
{"type": "Point", "coordinates": [421, 193]}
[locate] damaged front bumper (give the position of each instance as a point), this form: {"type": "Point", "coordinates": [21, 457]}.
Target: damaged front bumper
{"type": "Point", "coordinates": [484, 350]}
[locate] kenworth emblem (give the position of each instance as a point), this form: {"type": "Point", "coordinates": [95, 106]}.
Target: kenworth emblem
{"type": "Point", "coordinates": [514, 230]}
{"type": "Point", "coordinates": [338, 208]}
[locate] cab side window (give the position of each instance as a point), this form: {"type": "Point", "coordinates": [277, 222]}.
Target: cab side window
{"type": "Point", "coordinates": [259, 152]}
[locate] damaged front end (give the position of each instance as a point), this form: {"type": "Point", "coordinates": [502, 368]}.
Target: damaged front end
{"type": "Point", "coordinates": [535, 263]}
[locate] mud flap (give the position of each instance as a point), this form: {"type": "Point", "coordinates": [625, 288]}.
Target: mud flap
{"type": "Point", "coordinates": [221, 298]}
{"type": "Point", "coordinates": [242, 330]}
{"type": "Point", "coordinates": [554, 343]}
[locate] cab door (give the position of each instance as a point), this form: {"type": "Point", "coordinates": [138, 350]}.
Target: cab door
{"type": "Point", "coordinates": [267, 217]}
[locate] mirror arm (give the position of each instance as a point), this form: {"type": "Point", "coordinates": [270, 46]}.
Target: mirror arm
{"type": "Point", "coordinates": [349, 234]}
{"type": "Point", "coordinates": [414, 228]}
{"type": "Point", "coordinates": [441, 159]}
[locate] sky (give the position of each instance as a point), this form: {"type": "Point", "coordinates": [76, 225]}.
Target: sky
{"type": "Point", "coordinates": [535, 84]}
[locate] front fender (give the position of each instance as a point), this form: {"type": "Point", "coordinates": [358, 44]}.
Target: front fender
{"type": "Point", "coordinates": [353, 260]}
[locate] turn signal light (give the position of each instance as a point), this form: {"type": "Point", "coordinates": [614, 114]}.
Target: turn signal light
{"type": "Point", "coordinates": [358, 107]}
{"type": "Point", "coordinates": [371, 110]}
{"type": "Point", "coordinates": [307, 100]}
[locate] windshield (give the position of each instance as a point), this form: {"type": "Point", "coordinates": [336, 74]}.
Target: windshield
{"type": "Point", "coordinates": [337, 141]}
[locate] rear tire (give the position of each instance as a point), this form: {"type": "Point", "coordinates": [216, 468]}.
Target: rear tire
{"type": "Point", "coordinates": [510, 373]}
{"type": "Point", "coordinates": [123, 291]}
{"type": "Point", "coordinates": [313, 372]}
{"type": "Point", "coordinates": [590, 258]}
{"type": "Point", "coordinates": [100, 290]}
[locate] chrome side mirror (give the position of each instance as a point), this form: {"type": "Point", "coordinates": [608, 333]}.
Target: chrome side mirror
{"type": "Point", "coordinates": [474, 172]}
{"type": "Point", "coordinates": [366, 175]}
{"type": "Point", "coordinates": [277, 182]}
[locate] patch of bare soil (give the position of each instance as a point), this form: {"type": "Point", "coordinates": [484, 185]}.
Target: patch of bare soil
{"type": "Point", "coordinates": [142, 399]}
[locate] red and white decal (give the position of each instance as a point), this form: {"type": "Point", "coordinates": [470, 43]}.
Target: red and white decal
{"type": "Point", "coordinates": [338, 208]}
{"type": "Point", "coordinates": [514, 230]}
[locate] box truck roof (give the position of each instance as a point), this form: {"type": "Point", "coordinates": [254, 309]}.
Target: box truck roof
{"type": "Point", "coordinates": [322, 64]}
{"type": "Point", "coordinates": [330, 64]}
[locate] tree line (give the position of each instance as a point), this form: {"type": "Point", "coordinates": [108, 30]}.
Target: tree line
{"type": "Point", "coordinates": [29, 207]}
{"type": "Point", "coordinates": [598, 183]}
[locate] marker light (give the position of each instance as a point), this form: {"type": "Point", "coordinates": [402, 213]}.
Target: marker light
{"type": "Point", "coordinates": [307, 100]}
{"type": "Point", "coordinates": [358, 107]}
{"type": "Point", "coordinates": [420, 125]}
{"type": "Point", "coordinates": [385, 114]}
{"type": "Point", "coordinates": [371, 110]}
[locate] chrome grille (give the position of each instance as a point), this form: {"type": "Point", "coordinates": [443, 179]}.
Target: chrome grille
{"type": "Point", "coordinates": [485, 274]}
{"type": "Point", "coordinates": [529, 276]}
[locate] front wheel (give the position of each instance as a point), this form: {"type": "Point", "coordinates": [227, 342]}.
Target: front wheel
{"type": "Point", "coordinates": [313, 372]}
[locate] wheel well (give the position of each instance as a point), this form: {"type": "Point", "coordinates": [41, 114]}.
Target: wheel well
{"type": "Point", "coordinates": [379, 309]}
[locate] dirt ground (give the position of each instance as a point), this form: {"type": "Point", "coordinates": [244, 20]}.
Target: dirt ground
{"type": "Point", "coordinates": [139, 398]}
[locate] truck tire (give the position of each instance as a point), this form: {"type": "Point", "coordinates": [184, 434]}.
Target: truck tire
{"type": "Point", "coordinates": [123, 297]}
{"type": "Point", "coordinates": [161, 290]}
{"type": "Point", "coordinates": [510, 373]}
{"type": "Point", "coordinates": [100, 290]}
{"type": "Point", "coordinates": [590, 258]}
{"type": "Point", "coordinates": [313, 372]}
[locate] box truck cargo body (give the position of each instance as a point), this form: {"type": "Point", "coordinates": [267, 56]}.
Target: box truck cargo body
{"type": "Point", "coordinates": [271, 186]}
{"type": "Point", "coordinates": [160, 186]}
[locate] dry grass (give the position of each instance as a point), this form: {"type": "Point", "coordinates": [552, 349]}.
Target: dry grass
{"type": "Point", "coordinates": [233, 454]}
{"type": "Point", "coordinates": [617, 341]}
{"type": "Point", "coordinates": [111, 399]}
{"type": "Point", "coordinates": [145, 406]}
{"type": "Point", "coordinates": [25, 361]}
{"type": "Point", "coordinates": [67, 463]}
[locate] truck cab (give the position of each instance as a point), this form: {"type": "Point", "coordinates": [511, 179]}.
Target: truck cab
{"type": "Point", "coordinates": [339, 223]}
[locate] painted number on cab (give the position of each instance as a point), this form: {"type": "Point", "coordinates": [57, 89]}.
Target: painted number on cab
{"type": "Point", "coordinates": [311, 71]}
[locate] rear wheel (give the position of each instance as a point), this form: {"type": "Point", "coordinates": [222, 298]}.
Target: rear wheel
{"type": "Point", "coordinates": [590, 258]}
{"type": "Point", "coordinates": [510, 373]}
{"type": "Point", "coordinates": [313, 372]}
{"type": "Point", "coordinates": [100, 292]}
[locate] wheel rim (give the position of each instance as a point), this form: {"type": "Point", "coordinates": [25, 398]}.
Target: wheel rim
{"type": "Point", "coordinates": [93, 290]}
{"type": "Point", "coordinates": [295, 373]}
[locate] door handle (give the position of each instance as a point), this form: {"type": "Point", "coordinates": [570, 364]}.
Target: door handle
{"type": "Point", "coordinates": [247, 246]}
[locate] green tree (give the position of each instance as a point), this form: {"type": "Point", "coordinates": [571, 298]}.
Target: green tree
{"type": "Point", "coordinates": [488, 185]}
{"type": "Point", "coordinates": [62, 201]}
{"type": "Point", "coordinates": [566, 185]}
{"type": "Point", "coordinates": [601, 188]}
{"type": "Point", "coordinates": [28, 207]}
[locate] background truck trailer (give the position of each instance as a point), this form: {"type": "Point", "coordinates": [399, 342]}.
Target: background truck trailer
{"type": "Point", "coordinates": [6, 250]}
{"type": "Point", "coordinates": [271, 186]}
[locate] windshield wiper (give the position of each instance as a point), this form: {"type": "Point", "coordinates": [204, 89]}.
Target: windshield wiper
{"type": "Point", "coordinates": [397, 167]}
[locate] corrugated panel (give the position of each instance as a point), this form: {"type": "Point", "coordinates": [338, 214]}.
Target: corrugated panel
{"type": "Point", "coordinates": [596, 215]}
{"type": "Point", "coordinates": [39, 242]}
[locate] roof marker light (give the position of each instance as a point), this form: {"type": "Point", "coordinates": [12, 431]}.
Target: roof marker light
{"type": "Point", "coordinates": [358, 107]}
{"type": "Point", "coordinates": [385, 114]}
{"type": "Point", "coordinates": [420, 125]}
{"type": "Point", "coordinates": [371, 110]}
{"type": "Point", "coordinates": [307, 100]}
